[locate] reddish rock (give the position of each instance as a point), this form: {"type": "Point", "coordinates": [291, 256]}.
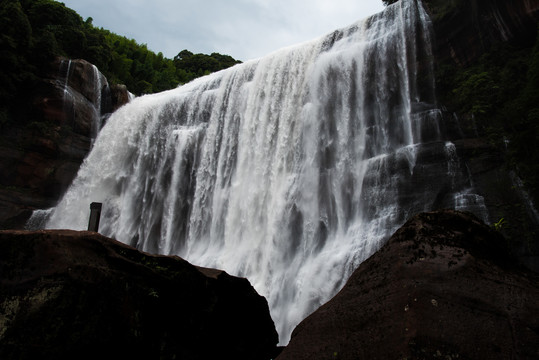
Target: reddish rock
{"type": "Point", "coordinates": [79, 295]}
{"type": "Point", "coordinates": [442, 287]}
{"type": "Point", "coordinates": [76, 94]}
{"type": "Point", "coordinates": [119, 96]}
{"type": "Point", "coordinates": [86, 80]}
{"type": "Point", "coordinates": [41, 158]}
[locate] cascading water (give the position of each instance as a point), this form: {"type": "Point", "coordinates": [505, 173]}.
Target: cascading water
{"type": "Point", "coordinates": [65, 68]}
{"type": "Point", "coordinates": [98, 116]}
{"type": "Point", "coordinates": [91, 98]}
{"type": "Point", "coordinates": [63, 79]}
{"type": "Point", "coordinates": [98, 85]}
{"type": "Point", "coordinates": [289, 170]}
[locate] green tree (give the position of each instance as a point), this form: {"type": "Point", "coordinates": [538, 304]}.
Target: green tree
{"type": "Point", "coordinates": [190, 66]}
{"type": "Point", "coordinates": [15, 41]}
{"type": "Point", "coordinates": [35, 32]}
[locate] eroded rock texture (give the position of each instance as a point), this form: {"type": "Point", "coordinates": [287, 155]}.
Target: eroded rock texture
{"type": "Point", "coordinates": [442, 287]}
{"type": "Point", "coordinates": [79, 295]}
{"type": "Point", "coordinates": [39, 159]}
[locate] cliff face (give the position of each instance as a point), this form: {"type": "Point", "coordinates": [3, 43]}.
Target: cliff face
{"type": "Point", "coordinates": [465, 29]}
{"type": "Point", "coordinates": [67, 295]}
{"type": "Point", "coordinates": [442, 287]}
{"type": "Point", "coordinates": [39, 159]}
{"type": "Point", "coordinates": [483, 55]}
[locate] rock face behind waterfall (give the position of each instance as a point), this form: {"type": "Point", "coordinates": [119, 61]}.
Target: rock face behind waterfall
{"type": "Point", "coordinates": [79, 295]}
{"type": "Point", "coordinates": [39, 159]}
{"type": "Point", "coordinates": [466, 34]}
{"type": "Point", "coordinates": [465, 30]}
{"type": "Point", "coordinates": [442, 287]}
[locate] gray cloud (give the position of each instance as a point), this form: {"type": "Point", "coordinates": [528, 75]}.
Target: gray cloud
{"type": "Point", "coordinates": [244, 29]}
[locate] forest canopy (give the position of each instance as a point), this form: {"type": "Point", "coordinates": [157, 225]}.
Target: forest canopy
{"type": "Point", "coordinates": [34, 32]}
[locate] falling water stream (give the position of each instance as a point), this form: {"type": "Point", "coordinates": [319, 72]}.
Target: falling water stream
{"type": "Point", "coordinates": [289, 170]}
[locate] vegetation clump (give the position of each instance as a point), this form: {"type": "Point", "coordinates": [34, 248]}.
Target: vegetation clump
{"type": "Point", "coordinates": [498, 97]}
{"type": "Point", "coordinates": [34, 32]}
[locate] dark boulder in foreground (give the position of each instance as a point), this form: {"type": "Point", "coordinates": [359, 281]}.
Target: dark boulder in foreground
{"type": "Point", "coordinates": [79, 295]}
{"type": "Point", "coordinates": [441, 288]}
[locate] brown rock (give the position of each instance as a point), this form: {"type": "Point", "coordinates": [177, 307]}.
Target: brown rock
{"type": "Point", "coordinates": [442, 287]}
{"type": "Point", "coordinates": [41, 158]}
{"type": "Point", "coordinates": [119, 96]}
{"type": "Point", "coordinates": [67, 294]}
{"type": "Point", "coordinates": [87, 80]}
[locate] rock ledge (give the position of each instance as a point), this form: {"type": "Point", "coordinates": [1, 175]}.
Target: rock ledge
{"type": "Point", "coordinates": [442, 287]}
{"type": "Point", "coordinates": [79, 295]}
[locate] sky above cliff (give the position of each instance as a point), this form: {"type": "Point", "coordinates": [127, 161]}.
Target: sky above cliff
{"type": "Point", "coordinates": [243, 29]}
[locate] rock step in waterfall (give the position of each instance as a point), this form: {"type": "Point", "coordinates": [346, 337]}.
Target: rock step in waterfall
{"type": "Point", "coordinates": [289, 170]}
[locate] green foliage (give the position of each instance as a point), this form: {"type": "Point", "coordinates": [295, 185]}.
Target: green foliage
{"type": "Point", "coordinates": [192, 65]}
{"type": "Point", "coordinates": [501, 93]}
{"type": "Point", "coordinates": [125, 61]}
{"type": "Point", "coordinates": [476, 92]}
{"type": "Point", "coordinates": [34, 32]}
{"type": "Point", "coordinates": [15, 42]}
{"type": "Point", "coordinates": [153, 293]}
{"type": "Point", "coordinates": [499, 224]}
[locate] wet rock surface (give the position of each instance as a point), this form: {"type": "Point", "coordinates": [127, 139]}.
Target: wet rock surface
{"type": "Point", "coordinates": [67, 294]}
{"type": "Point", "coordinates": [443, 286]}
{"type": "Point", "coordinates": [39, 160]}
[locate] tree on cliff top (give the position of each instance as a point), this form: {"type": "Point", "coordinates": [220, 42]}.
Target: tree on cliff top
{"type": "Point", "coordinates": [34, 32]}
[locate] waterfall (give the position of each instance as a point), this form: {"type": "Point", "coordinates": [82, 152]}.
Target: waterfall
{"type": "Point", "coordinates": [64, 73]}
{"type": "Point", "coordinates": [98, 86]}
{"type": "Point", "coordinates": [74, 95]}
{"type": "Point", "coordinates": [464, 197]}
{"type": "Point", "coordinates": [289, 170]}
{"type": "Point", "coordinates": [65, 67]}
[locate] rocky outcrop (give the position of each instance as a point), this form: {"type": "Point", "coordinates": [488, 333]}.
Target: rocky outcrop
{"type": "Point", "coordinates": [442, 287]}
{"type": "Point", "coordinates": [38, 160]}
{"type": "Point", "coordinates": [465, 29]}
{"type": "Point", "coordinates": [119, 96]}
{"type": "Point", "coordinates": [79, 295]}
{"type": "Point", "coordinates": [504, 196]}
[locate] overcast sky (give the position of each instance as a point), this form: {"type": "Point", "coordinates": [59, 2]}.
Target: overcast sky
{"type": "Point", "coordinates": [243, 29]}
